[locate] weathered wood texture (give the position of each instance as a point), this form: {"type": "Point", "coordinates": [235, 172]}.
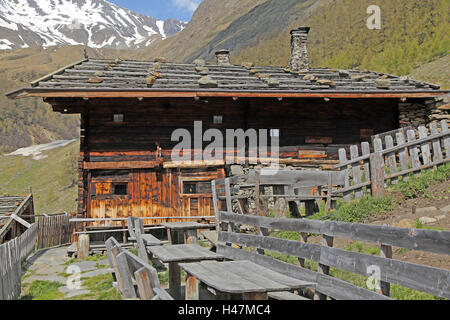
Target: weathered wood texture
{"type": "Point", "coordinates": [135, 278]}
{"type": "Point", "coordinates": [151, 194]}
{"type": "Point", "coordinates": [54, 230]}
{"type": "Point", "coordinates": [127, 152]}
{"type": "Point", "coordinates": [388, 162]}
{"type": "Point", "coordinates": [12, 254]}
{"type": "Point", "coordinates": [20, 209]}
{"type": "Point", "coordinates": [423, 278]}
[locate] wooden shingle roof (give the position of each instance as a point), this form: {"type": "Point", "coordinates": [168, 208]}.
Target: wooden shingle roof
{"type": "Point", "coordinates": [93, 75]}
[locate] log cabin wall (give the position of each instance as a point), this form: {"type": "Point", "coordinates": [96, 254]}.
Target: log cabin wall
{"type": "Point", "coordinates": [310, 124]}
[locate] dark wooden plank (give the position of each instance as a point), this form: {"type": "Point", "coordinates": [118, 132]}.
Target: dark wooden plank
{"type": "Point", "coordinates": [423, 278]}
{"type": "Point", "coordinates": [335, 288]}
{"type": "Point", "coordinates": [290, 247]}
{"type": "Point", "coordinates": [183, 252]}
{"type": "Point", "coordinates": [283, 295]}
{"type": "Point", "coordinates": [218, 278]}
{"type": "Point", "coordinates": [301, 225]}
{"type": "Point", "coordinates": [415, 239]}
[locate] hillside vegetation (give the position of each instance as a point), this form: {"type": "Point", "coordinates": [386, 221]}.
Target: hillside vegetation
{"type": "Point", "coordinates": [54, 180]}
{"type": "Point", "coordinates": [413, 32]}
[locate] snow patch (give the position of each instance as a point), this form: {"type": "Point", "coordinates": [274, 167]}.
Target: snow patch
{"type": "Point", "coordinates": [37, 150]}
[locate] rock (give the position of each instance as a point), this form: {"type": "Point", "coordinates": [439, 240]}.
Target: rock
{"type": "Point", "coordinates": [441, 217]}
{"type": "Point", "coordinates": [237, 170]}
{"type": "Point", "coordinates": [156, 66]}
{"type": "Point", "coordinates": [446, 209]}
{"type": "Point", "coordinates": [383, 83]}
{"type": "Point", "coordinates": [309, 77]}
{"type": "Point", "coordinates": [155, 74]}
{"type": "Point", "coordinates": [248, 65]}
{"type": "Point", "coordinates": [150, 80]}
{"type": "Point", "coordinates": [425, 210]}
{"type": "Point", "coordinates": [199, 62]}
{"type": "Point", "coordinates": [326, 82]}
{"type": "Point", "coordinates": [444, 107]}
{"type": "Point", "coordinates": [161, 60]}
{"type": "Point", "coordinates": [95, 80]}
{"type": "Point", "coordinates": [405, 223]}
{"type": "Point", "coordinates": [207, 82]}
{"type": "Point", "coordinates": [202, 70]}
{"type": "Point", "coordinates": [427, 220]}
{"type": "Point", "coordinates": [344, 73]}
{"type": "Point", "coordinates": [272, 83]}
{"type": "Point", "coordinates": [262, 75]}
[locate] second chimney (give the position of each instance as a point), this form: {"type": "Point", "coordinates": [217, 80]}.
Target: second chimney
{"type": "Point", "coordinates": [223, 58]}
{"type": "Point", "coordinates": [299, 49]}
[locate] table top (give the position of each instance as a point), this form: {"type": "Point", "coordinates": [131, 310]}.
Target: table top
{"type": "Point", "coordinates": [241, 277]}
{"type": "Point", "coordinates": [184, 225]}
{"type": "Point", "coordinates": [183, 253]}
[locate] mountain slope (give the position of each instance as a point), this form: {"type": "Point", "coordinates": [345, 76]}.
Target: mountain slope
{"type": "Point", "coordinates": [96, 23]}
{"type": "Point", "coordinates": [25, 122]}
{"type": "Point", "coordinates": [414, 32]}
{"type": "Point", "coordinates": [53, 179]}
{"type": "Point", "coordinates": [210, 18]}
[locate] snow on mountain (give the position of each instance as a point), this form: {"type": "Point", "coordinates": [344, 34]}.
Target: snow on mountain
{"type": "Point", "coordinates": [96, 23]}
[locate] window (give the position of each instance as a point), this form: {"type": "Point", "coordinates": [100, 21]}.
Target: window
{"type": "Point", "coordinates": [274, 132]}
{"type": "Point", "coordinates": [218, 119]}
{"type": "Point", "coordinates": [120, 189]}
{"type": "Point", "coordinates": [189, 188]}
{"type": "Point", "coordinates": [118, 117]}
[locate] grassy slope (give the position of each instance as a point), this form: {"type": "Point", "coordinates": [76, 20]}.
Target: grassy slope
{"type": "Point", "coordinates": [414, 32]}
{"type": "Point", "coordinates": [54, 179]}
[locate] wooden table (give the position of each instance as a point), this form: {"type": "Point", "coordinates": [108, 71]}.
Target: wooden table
{"type": "Point", "coordinates": [243, 277]}
{"type": "Point", "coordinates": [175, 254]}
{"type": "Point", "coordinates": [183, 232]}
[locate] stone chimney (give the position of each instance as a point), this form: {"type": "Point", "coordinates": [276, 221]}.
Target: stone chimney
{"type": "Point", "coordinates": [299, 49]}
{"type": "Point", "coordinates": [223, 58]}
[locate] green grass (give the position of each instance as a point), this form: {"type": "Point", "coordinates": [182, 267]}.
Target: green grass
{"type": "Point", "coordinates": [43, 290]}
{"type": "Point", "coordinates": [417, 185]}
{"type": "Point", "coordinates": [53, 180]}
{"type": "Point", "coordinates": [358, 210]}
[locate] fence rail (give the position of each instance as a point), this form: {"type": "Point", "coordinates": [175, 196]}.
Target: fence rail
{"type": "Point", "coordinates": [419, 277]}
{"type": "Point", "coordinates": [12, 254]}
{"type": "Point", "coordinates": [368, 172]}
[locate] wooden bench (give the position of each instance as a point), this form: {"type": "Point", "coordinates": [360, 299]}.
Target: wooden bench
{"type": "Point", "coordinates": [134, 278]}
{"type": "Point", "coordinates": [136, 228]}
{"type": "Point", "coordinates": [418, 277]}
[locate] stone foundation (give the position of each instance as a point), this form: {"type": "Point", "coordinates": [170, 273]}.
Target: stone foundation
{"type": "Point", "coordinates": [416, 114]}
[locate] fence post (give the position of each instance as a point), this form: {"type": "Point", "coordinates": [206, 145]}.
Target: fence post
{"type": "Point", "coordinates": [377, 174]}
{"type": "Point", "coordinates": [83, 246]}
{"type": "Point", "coordinates": [327, 241]}
{"type": "Point", "coordinates": [385, 287]}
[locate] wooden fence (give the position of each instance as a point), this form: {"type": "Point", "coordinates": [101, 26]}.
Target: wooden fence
{"type": "Point", "coordinates": [418, 277]}
{"type": "Point", "coordinates": [53, 231]}
{"type": "Point", "coordinates": [368, 172]}
{"type": "Point", "coordinates": [12, 254]}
